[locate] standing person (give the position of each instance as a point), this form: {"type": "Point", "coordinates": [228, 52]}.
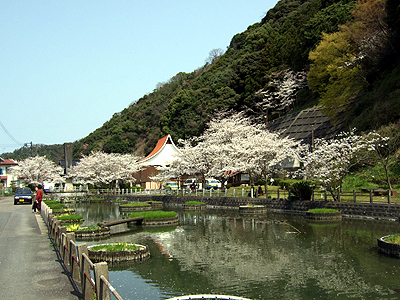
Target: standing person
{"type": "Point", "coordinates": [38, 199]}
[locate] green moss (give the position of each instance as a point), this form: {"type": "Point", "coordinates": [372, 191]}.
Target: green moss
{"type": "Point", "coordinates": [158, 214]}
{"type": "Point", "coordinates": [194, 203]}
{"type": "Point", "coordinates": [323, 210]}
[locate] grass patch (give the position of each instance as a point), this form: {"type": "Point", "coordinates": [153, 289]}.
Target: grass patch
{"type": "Point", "coordinates": [322, 210]}
{"type": "Point", "coordinates": [158, 214]}
{"type": "Point", "coordinates": [194, 203]}
{"type": "Point", "coordinates": [116, 247]}
{"type": "Point", "coordinates": [77, 227]}
{"type": "Point", "coordinates": [56, 205]}
{"type": "Point", "coordinates": [97, 199]}
{"type": "Point", "coordinates": [136, 204]}
{"type": "Point", "coordinates": [64, 210]}
{"type": "Point", "coordinates": [50, 202]}
{"type": "Point", "coordinates": [68, 217]}
{"type": "Point", "coordinates": [394, 239]}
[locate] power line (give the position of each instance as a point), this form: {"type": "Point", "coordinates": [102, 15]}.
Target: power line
{"type": "Point", "coordinates": [10, 135]}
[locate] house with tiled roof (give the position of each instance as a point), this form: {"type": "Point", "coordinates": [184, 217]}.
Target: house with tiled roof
{"type": "Point", "coordinates": [6, 179]}
{"type": "Point", "coordinates": [162, 153]}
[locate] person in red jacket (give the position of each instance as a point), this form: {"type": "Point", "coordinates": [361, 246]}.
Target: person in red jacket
{"type": "Point", "coordinates": [38, 199]}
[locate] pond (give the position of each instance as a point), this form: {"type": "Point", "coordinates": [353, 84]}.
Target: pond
{"type": "Point", "coordinates": [273, 256]}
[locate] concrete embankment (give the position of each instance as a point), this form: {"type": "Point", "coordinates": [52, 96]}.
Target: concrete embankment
{"type": "Point", "coordinates": [379, 211]}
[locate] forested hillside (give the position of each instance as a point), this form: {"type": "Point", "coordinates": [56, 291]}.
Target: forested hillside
{"type": "Point", "coordinates": [341, 54]}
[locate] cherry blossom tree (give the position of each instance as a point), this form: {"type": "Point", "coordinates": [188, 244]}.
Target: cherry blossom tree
{"type": "Point", "coordinates": [331, 160]}
{"type": "Point", "coordinates": [262, 153]}
{"type": "Point", "coordinates": [38, 169]}
{"type": "Point", "coordinates": [232, 142]}
{"type": "Point", "coordinates": [101, 168]}
{"type": "Point", "coordinates": [282, 90]}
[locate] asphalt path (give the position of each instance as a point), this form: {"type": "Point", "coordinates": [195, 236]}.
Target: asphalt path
{"type": "Point", "coordinates": [30, 266]}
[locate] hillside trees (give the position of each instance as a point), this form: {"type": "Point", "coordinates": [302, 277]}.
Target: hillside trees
{"type": "Point", "coordinates": [183, 105]}
{"type": "Point", "coordinates": [342, 60]}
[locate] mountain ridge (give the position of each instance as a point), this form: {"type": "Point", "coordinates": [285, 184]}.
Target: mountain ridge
{"type": "Point", "coordinates": [248, 77]}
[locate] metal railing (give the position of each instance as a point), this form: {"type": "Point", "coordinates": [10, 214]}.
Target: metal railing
{"type": "Point", "coordinates": [370, 195]}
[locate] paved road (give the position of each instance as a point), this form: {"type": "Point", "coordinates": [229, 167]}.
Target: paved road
{"type": "Point", "coordinates": [29, 265]}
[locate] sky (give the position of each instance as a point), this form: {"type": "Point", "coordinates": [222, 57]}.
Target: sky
{"type": "Point", "coordinates": [67, 66]}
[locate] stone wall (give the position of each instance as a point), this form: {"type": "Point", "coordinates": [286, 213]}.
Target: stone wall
{"type": "Point", "coordinates": [379, 211]}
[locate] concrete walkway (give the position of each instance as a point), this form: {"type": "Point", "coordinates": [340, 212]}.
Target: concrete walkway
{"type": "Point", "coordinates": [30, 267]}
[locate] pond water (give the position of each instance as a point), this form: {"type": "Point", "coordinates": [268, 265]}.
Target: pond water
{"type": "Point", "coordinates": [274, 256]}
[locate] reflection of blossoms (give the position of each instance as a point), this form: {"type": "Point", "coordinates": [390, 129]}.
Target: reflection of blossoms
{"type": "Point", "coordinates": [282, 90]}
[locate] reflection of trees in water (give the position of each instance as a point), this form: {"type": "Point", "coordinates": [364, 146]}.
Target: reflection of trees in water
{"type": "Point", "coordinates": [256, 257]}
{"type": "Point", "coordinates": [94, 213]}
{"type": "Point", "coordinates": [238, 252]}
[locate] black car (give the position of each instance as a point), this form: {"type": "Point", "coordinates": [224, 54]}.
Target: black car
{"type": "Point", "coordinates": [23, 195]}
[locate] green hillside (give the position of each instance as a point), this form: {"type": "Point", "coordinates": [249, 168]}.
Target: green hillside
{"type": "Point", "coordinates": [363, 92]}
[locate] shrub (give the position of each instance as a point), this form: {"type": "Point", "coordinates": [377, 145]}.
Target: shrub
{"type": "Point", "coordinates": [301, 190]}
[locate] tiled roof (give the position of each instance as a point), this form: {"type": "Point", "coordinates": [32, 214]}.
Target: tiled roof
{"type": "Point", "coordinates": [7, 162]}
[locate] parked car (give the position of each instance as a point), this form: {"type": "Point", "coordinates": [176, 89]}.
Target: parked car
{"type": "Point", "coordinates": [23, 195]}
{"type": "Point", "coordinates": [189, 182]}
{"type": "Point", "coordinates": [212, 183]}
{"type": "Point", "coordinates": [171, 186]}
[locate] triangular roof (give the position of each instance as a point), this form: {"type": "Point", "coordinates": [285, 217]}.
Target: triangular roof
{"type": "Point", "coordinates": [161, 153]}
{"type": "Point", "coordinates": [7, 162]}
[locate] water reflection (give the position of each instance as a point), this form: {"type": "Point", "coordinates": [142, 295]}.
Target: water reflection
{"type": "Point", "coordinates": [271, 257]}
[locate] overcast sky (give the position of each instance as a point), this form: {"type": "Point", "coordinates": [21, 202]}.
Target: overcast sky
{"type": "Point", "coordinates": [67, 66]}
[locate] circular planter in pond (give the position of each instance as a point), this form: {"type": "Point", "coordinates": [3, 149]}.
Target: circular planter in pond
{"type": "Point", "coordinates": [128, 208]}
{"type": "Point", "coordinates": [192, 207]}
{"type": "Point", "coordinates": [72, 221]}
{"type": "Point", "coordinates": [118, 256]}
{"type": "Point", "coordinates": [161, 221]}
{"type": "Point", "coordinates": [92, 233]}
{"type": "Point", "coordinates": [252, 209]}
{"type": "Point", "coordinates": [62, 211]}
{"type": "Point", "coordinates": [324, 214]}
{"type": "Point", "coordinates": [388, 248]}
{"type": "Point", "coordinates": [156, 205]}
